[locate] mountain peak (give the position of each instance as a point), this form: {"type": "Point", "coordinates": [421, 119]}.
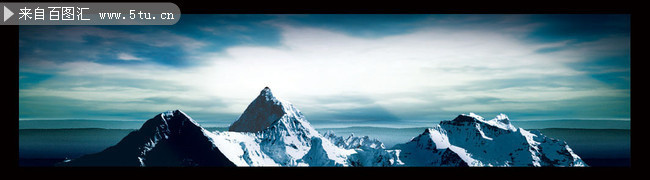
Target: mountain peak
{"type": "Point", "coordinates": [262, 112]}
{"type": "Point", "coordinates": [170, 122]}
{"type": "Point", "coordinates": [471, 117]}
{"type": "Point", "coordinates": [500, 121]}
{"type": "Point", "coordinates": [175, 115]}
{"type": "Point", "coordinates": [266, 92]}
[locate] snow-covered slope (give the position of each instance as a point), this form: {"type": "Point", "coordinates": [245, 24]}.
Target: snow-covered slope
{"type": "Point", "coordinates": [359, 151]}
{"type": "Point", "coordinates": [168, 139]}
{"type": "Point", "coordinates": [431, 148]}
{"type": "Point", "coordinates": [324, 153]}
{"type": "Point", "coordinates": [480, 142]}
{"type": "Point", "coordinates": [243, 149]}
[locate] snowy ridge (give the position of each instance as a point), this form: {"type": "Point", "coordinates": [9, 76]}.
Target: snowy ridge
{"type": "Point", "coordinates": [353, 142]}
{"type": "Point", "coordinates": [501, 121]}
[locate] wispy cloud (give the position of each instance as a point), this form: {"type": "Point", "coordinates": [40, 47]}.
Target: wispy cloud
{"type": "Point", "coordinates": [128, 57]}
{"type": "Point", "coordinates": [81, 34]}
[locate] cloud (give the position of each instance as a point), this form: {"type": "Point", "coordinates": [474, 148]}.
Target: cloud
{"type": "Point", "coordinates": [428, 72]}
{"type": "Point", "coordinates": [424, 67]}
{"type": "Point", "coordinates": [81, 34]}
{"type": "Point", "coordinates": [429, 58]}
{"type": "Point", "coordinates": [128, 57]}
{"type": "Point", "coordinates": [223, 30]}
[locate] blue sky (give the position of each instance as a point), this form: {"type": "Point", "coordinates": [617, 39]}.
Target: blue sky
{"type": "Point", "coordinates": [335, 68]}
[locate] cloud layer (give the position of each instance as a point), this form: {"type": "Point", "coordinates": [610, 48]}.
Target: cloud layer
{"type": "Point", "coordinates": [427, 72]}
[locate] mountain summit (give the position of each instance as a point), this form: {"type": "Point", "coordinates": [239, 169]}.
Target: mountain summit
{"type": "Point", "coordinates": [264, 111]}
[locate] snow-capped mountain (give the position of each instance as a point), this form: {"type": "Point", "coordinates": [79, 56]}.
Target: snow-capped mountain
{"type": "Point", "coordinates": [470, 140]}
{"type": "Point", "coordinates": [272, 132]}
{"type": "Point", "coordinates": [168, 139]}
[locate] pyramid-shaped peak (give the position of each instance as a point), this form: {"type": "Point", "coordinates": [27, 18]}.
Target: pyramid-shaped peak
{"type": "Point", "coordinates": [261, 113]}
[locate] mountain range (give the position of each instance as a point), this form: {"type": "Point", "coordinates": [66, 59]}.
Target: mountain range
{"type": "Point", "coordinates": [273, 132]}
